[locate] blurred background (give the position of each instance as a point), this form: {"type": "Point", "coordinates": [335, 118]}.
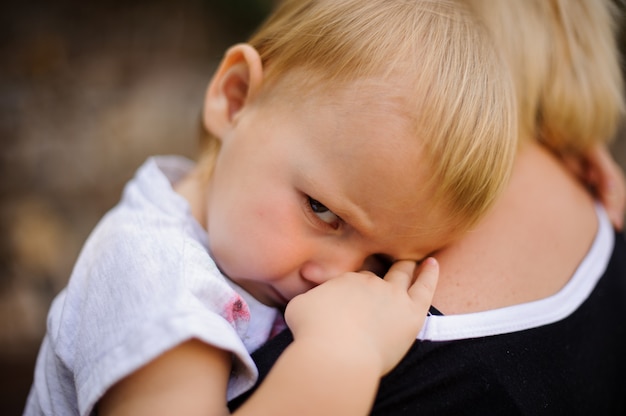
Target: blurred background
{"type": "Point", "coordinates": [89, 90]}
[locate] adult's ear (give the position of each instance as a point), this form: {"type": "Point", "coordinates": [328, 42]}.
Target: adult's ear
{"type": "Point", "coordinates": [235, 82]}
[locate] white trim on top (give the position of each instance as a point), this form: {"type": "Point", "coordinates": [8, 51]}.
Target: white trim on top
{"type": "Point", "coordinates": [531, 314]}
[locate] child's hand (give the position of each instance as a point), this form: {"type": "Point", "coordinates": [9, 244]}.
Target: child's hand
{"type": "Point", "coordinates": [597, 169]}
{"type": "Point", "coordinates": [360, 313]}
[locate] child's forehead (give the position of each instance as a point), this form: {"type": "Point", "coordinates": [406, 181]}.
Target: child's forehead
{"type": "Point", "coordinates": [366, 155]}
{"type": "Point", "coordinates": [357, 153]}
{"type": "Point", "coordinates": [380, 94]}
{"type": "Point", "coordinates": [360, 154]}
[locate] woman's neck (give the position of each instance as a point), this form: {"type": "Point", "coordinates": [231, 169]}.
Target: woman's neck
{"type": "Point", "coordinates": [528, 245]}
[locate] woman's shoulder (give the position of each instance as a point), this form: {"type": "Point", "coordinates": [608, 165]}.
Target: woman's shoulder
{"type": "Point", "coordinates": [598, 278]}
{"type": "Point", "coordinates": [528, 247]}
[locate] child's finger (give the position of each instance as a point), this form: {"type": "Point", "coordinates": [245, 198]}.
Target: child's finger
{"type": "Point", "coordinates": [423, 289]}
{"type": "Point", "coordinates": [401, 273]}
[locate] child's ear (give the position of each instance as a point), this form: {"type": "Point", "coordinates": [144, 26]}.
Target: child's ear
{"type": "Point", "coordinates": [236, 81]}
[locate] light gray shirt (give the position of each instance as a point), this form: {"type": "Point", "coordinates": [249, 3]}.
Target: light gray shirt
{"type": "Point", "coordinates": [143, 283]}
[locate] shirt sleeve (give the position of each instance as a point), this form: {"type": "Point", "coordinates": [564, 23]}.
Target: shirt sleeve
{"type": "Point", "coordinates": [137, 291]}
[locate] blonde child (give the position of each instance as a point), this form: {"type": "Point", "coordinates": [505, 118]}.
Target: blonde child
{"type": "Point", "coordinates": [343, 131]}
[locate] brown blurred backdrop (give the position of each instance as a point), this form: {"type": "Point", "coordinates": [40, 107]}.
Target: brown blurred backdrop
{"type": "Point", "coordinates": [88, 90]}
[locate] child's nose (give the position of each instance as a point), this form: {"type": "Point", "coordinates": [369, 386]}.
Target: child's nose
{"type": "Point", "coordinates": [332, 263]}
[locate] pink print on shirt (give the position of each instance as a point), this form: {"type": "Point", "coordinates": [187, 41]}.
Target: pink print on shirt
{"type": "Point", "coordinates": [236, 310]}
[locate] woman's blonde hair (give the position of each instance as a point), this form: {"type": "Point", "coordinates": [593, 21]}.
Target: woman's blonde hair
{"type": "Point", "coordinates": [565, 64]}
{"type": "Point", "coordinates": [459, 93]}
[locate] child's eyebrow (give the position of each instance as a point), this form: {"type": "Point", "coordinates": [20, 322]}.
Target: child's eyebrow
{"type": "Point", "coordinates": [350, 213]}
{"type": "Point", "coordinates": [355, 217]}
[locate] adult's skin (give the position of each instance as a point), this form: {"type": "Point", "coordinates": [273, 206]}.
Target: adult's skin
{"type": "Point", "coordinates": [528, 247]}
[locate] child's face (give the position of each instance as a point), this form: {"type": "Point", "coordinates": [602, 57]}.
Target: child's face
{"type": "Point", "coordinates": [307, 189]}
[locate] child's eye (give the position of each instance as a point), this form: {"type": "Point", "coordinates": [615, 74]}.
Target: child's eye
{"type": "Point", "coordinates": [324, 213]}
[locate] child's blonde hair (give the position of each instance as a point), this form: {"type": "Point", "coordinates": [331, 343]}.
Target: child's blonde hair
{"type": "Point", "coordinates": [460, 94]}
{"type": "Point", "coordinates": [565, 64]}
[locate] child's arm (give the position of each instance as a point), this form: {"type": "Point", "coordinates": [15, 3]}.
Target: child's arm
{"type": "Point", "coordinates": [597, 169]}
{"type": "Point", "coordinates": [190, 379]}
{"type": "Point", "coordinates": [348, 333]}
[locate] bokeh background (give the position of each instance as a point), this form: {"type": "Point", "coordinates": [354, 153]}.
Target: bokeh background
{"type": "Point", "coordinates": [89, 90]}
